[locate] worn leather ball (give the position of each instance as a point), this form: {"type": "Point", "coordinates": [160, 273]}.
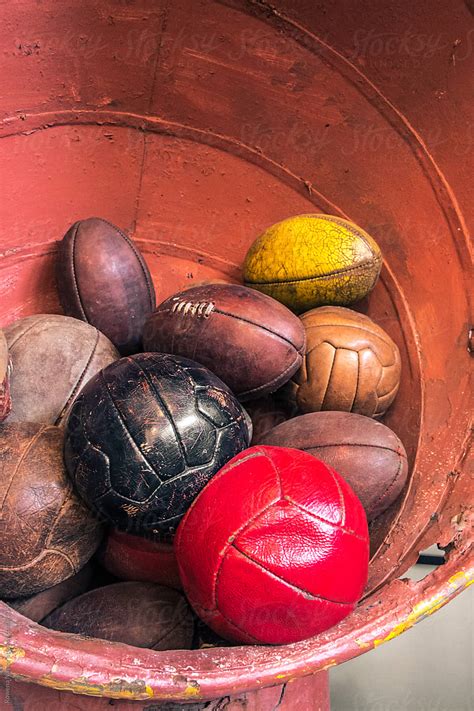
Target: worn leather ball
{"type": "Point", "coordinates": [103, 279]}
{"type": "Point", "coordinates": [266, 413]}
{"type": "Point", "coordinates": [46, 533]}
{"type": "Point", "coordinates": [369, 456]}
{"type": "Point", "coordinates": [135, 558]}
{"type": "Point", "coordinates": [145, 436]}
{"type": "Point", "coordinates": [252, 342]}
{"type": "Point", "coordinates": [39, 606]}
{"type": "Point", "coordinates": [351, 364]}
{"type": "Point", "coordinates": [274, 549]}
{"type": "Point", "coordinates": [311, 260]}
{"type": "Point", "coordinates": [5, 371]}
{"type": "Point", "coordinates": [53, 357]}
{"type": "Point", "coordinates": [139, 614]}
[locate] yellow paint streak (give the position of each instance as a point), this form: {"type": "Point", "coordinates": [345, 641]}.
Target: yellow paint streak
{"type": "Point", "coordinates": [331, 663]}
{"type": "Point", "coordinates": [137, 690]}
{"type": "Point", "coordinates": [462, 578]}
{"type": "Point", "coordinates": [9, 654]}
{"type": "Point", "coordinates": [192, 690]}
{"type": "Point", "coordinates": [424, 608]}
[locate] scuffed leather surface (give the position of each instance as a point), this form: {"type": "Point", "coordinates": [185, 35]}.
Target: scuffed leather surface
{"type": "Point", "coordinates": [103, 279]}
{"type": "Point", "coordinates": [38, 606]}
{"type": "Point", "coordinates": [146, 434]}
{"type": "Point", "coordinates": [53, 357]}
{"type": "Point", "coordinates": [139, 614]}
{"type": "Point", "coordinates": [351, 364]}
{"type": "Point", "coordinates": [46, 533]}
{"type": "Point", "coordinates": [5, 370]}
{"type": "Point", "coordinates": [250, 341]}
{"type": "Point", "coordinates": [311, 260]}
{"type": "Point", "coordinates": [274, 549]}
{"type": "Point", "coordinates": [369, 456]}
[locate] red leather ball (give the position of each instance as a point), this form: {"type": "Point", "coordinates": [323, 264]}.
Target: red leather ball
{"type": "Point", "coordinates": [274, 549]}
{"type": "Point", "coordinates": [134, 558]}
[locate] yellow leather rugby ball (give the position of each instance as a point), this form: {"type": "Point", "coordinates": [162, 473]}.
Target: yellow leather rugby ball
{"type": "Point", "coordinates": [313, 260]}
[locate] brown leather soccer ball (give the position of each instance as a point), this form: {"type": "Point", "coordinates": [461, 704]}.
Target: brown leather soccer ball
{"type": "Point", "coordinates": [53, 357]}
{"type": "Point", "coordinates": [141, 614]}
{"type": "Point", "coordinates": [351, 364]}
{"type": "Point", "coordinates": [46, 533]}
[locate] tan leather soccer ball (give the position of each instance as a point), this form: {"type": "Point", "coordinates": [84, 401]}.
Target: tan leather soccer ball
{"type": "Point", "coordinates": [351, 364]}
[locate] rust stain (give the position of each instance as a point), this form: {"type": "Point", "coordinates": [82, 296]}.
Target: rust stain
{"type": "Point", "coordinates": [9, 654]}
{"type": "Point", "coordinates": [116, 689]}
{"type": "Point", "coordinates": [192, 689]}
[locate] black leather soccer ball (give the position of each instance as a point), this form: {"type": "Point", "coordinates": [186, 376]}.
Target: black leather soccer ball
{"type": "Point", "coordinates": [145, 436]}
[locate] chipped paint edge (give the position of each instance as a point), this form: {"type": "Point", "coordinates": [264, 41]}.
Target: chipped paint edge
{"type": "Point", "coordinates": [459, 581]}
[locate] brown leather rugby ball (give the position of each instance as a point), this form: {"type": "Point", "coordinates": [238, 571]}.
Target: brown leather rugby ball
{"type": "Point", "coordinates": [350, 364]}
{"type": "Point", "coordinates": [46, 533]}
{"type": "Point", "coordinates": [369, 456]}
{"type": "Point", "coordinates": [38, 606]}
{"type": "Point", "coordinates": [5, 370]}
{"type": "Point", "coordinates": [249, 340]}
{"type": "Point", "coordinates": [140, 614]}
{"type": "Point", "coordinates": [134, 558]}
{"type": "Point", "coordinates": [53, 357]}
{"type": "Point", "coordinates": [103, 279]}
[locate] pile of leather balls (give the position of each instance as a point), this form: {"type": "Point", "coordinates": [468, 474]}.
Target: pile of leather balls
{"type": "Point", "coordinates": [128, 471]}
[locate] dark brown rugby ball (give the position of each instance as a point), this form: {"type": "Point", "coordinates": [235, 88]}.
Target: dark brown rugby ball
{"type": "Point", "coordinates": [369, 456]}
{"type": "Point", "coordinates": [37, 607]}
{"type": "Point", "coordinates": [46, 533]}
{"type": "Point", "coordinates": [141, 614]}
{"type": "Point", "coordinates": [249, 340]}
{"type": "Point", "coordinates": [103, 279]}
{"type": "Point", "coordinates": [53, 357]}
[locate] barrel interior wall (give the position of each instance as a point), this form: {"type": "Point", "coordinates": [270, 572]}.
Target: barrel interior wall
{"type": "Point", "coordinates": [193, 126]}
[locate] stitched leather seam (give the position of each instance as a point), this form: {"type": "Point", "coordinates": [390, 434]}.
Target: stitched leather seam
{"type": "Point", "coordinates": [275, 380]}
{"type": "Point", "coordinates": [391, 485]}
{"type": "Point", "coordinates": [141, 261]}
{"type": "Point", "coordinates": [129, 436]}
{"type": "Point", "coordinates": [306, 593]}
{"type": "Point", "coordinates": [21, 460]}
{"type": "Point", "coordinates": [79, 381]}
{"type": "Point", "coordinates": [216, 611]}
{"type": "Point", "coordinates": [329, 376]}
{"type": "Point", "coordinates": [40, 556]}
{"type": "Point", "coordinates": [343, 505]}
{"type": "Point", "coordinates": [259, 325]}
{"type": "Point", "coordinates": [376, 261]}
{"type": "Point", "coordinates": [229, 542]}
{"type": "Point", "coordinates": [337, 526]}
{"type": "Point", "coordinates": [350, 444]}
{"type": "Point", "coordinates": [30, 327]}
{"type": "Point", "coordinates": [74, 275]}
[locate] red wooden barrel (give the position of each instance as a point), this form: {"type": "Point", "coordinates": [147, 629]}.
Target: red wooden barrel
{"type": "Point", "coordinates": [193, 126]}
